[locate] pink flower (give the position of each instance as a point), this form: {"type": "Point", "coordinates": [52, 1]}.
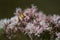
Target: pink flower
{"type": "Point", "coordinates": [34, 9]}
{"type": "Point", "coordinates": [40, 30]}
{"type": "Point", "coordinates": [27, 12]}
{"type": "Point", "coordinates": [58, 35]}
{"type": "Point", "coordinates": [18, 10]}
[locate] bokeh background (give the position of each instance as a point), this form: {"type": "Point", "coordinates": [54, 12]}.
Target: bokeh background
{"type": "Point", "coordinates": [7, 7]}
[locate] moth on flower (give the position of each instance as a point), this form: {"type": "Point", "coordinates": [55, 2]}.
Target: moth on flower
{"type": "Point", "coordinates": [19, 13]}
{"type": "Point", "coordinates": [21, 16]}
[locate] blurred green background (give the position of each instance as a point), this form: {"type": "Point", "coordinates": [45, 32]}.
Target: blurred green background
{"type": "Point", "coordinates": [7, 7]}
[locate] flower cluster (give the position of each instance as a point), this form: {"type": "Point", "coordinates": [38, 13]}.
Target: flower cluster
{"type": "Point", "coordinates": [30, 21]}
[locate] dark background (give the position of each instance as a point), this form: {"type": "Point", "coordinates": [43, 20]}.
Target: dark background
{"type": "Point", "coordinates": [7, 7]}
